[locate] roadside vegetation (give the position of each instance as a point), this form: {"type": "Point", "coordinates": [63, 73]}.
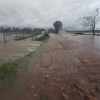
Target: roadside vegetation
{"type": "Point", "coordinates": [29, 54]}
{"type": "Point", "coordinates": [42, 38]}
{"type": "Point", "coordinates": [8, 70]}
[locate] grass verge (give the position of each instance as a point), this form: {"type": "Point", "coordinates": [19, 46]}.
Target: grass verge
{"type": "Point", "coordinates": [8, 71]}
{"type": "Point", "coordinates": [42, 38]}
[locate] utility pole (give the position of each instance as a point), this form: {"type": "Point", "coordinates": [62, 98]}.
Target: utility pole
{"type": "Point", "coordinates": [6, 33]}
{"type": "Point", "coordinates": [3, 34]}
{"type": "Point", "coordinates": [23, 31]}
{"type": "Point", "coordinates": [97, 32]}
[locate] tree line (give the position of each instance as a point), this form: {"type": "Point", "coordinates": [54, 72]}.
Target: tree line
{"type": "Point", "coordinates": [13, 29]}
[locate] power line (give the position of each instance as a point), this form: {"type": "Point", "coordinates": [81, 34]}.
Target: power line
{"type": "Point", "coordinates": [45, 9]}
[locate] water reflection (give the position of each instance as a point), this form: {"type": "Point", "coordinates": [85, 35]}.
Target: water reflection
{"type": "Point", "coordinates": [87, 43]}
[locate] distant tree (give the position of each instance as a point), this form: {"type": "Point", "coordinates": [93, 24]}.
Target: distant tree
{"type": "Point", "coordinates": [13, 29]}
{"type": "Point", "coordinates": [17, 29]}
{"type": "Point", "coordinates": [50, 30]}
{"type": "Point", "coordinates": [42, 29]}
{"type": "Point", "coordinates": [90, 20]}
{"type": "Point", "coordinates": [57, 25]}
{"type": "Point", "coordinates": [37, 30]}
{"type": "Point", "coordinates": [8, 29]}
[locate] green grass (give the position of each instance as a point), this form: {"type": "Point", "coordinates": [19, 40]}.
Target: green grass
{"type": "Point", "coordinates": [42, 38]}
{"type": "Point", "coordinates": [8, 69]}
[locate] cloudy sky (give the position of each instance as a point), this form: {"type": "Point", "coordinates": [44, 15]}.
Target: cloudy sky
{"type": "Point", "coordinates": [38, 13]}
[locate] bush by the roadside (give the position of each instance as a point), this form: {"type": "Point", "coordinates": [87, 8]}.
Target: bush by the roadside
{"type": "Point", "coordinates": [8, 69]}
{"type": "Point", "coordinates": [42, 38]}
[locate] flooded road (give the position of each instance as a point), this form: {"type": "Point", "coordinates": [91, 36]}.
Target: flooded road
{"type": "Point", "coordinates": [66, 67]}
{"type": "Point", "coordinates": [86, 44]}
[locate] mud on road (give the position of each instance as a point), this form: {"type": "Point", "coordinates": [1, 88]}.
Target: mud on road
{"type": "Point", "coordinates": [56, 71]}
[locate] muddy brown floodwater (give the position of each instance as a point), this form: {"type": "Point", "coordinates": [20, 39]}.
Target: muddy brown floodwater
{"type": "Point", "coordinates": [66, 67]}
{"type": "Point", "coordinates": [15, 49]}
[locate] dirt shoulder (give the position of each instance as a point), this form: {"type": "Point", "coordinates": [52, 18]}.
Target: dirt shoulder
{"type": "Point", "coordinates": [53, 72]}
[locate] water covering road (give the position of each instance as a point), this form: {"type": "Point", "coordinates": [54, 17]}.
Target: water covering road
{"type": "Point", "coordinates": [64, 68]}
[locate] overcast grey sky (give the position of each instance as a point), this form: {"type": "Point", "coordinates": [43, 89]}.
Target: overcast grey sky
{"type": "Point", "coordinates": [18, 13]}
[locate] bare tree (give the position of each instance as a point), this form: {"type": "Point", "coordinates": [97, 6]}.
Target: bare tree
{"type": "Point", "coordinates": [90, 21]}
